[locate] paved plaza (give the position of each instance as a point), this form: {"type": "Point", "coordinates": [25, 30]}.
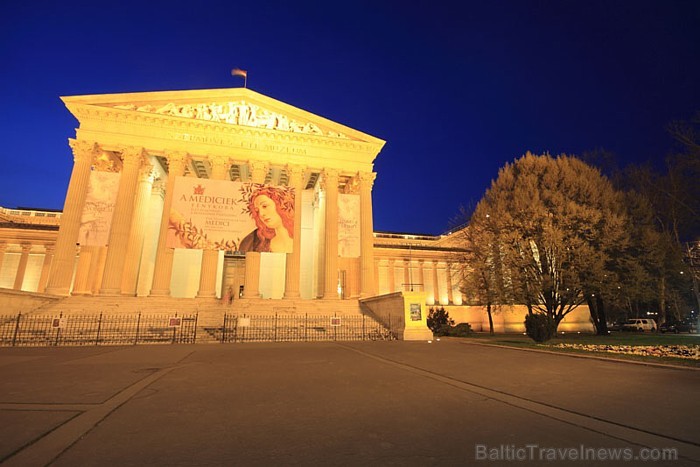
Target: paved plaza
{"type": "Point", "coordinates": [365, 403]}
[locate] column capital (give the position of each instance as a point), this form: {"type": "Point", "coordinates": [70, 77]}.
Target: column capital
{"type": "Point", "coordinates": [50, 248]}
{"type": "Point", "coordinates": [3, 246]}
{"type": "Point", "coordinates": [177, 161]}
{"type": "Point", "coordinates": [146, 173]}
{"type": "Point", "coordinates": [83, 150]}
{"type": "Point", "coordinates": [159, 187]}
{"type": "Point", "coordinates": [25, 247]}
{"type": "Point", "coordinates": [366, 179]}
{"type": "Point", "coordinates": [219, 165]}
{"type": "Point", "coordinates": [330, 178]}
{"type": "Point", "coordinates": [134, 156]}
{"type": "Point", "coordinates": [258, 170]}
{"type": "Point", "coordinates": [295, 173]}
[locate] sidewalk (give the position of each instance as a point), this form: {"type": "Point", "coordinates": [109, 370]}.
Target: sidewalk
{"type": "Point", "coordinates": [367, 403]}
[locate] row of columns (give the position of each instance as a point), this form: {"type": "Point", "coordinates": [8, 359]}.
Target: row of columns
{"type": "Point", "coordinates": [126, 235]}
{"type": "Point", "coordinates": [20, 274]}
{"type": "Point", "coordinates": [420, 284]}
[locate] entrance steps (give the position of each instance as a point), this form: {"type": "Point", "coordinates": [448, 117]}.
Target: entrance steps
{"type": "Point", "coordinates": [89, 305]}
{"type": "Point", "coordinates": [210, 311]}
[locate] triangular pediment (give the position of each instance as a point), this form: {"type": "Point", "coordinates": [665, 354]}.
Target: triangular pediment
{"type": "Point", "coordinates": [238, 106]}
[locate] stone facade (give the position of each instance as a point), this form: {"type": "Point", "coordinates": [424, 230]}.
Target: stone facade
{"type": "Point", "coordinates": [237, 135]}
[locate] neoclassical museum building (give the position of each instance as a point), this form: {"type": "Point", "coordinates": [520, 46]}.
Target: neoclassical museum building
{"type": "Point", "coordinates": [207, 196]}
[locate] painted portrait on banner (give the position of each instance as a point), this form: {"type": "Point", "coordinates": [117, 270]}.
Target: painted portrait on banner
{"type": "Point", "coordinates": [348, 225]}
{"type": "Point", "coordinates": [232, 216]}
{"type": "Point", "coordinates": [96, 219]}
{"type": "Point", "coordinates": [272, 210]}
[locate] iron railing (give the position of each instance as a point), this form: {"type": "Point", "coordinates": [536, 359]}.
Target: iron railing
{"type": "Point", "coordinates": [302, 328]}
{"type": "Point", "coordinates": [97, 329]}
{"type": "Point", "coordinates": [142, 328]}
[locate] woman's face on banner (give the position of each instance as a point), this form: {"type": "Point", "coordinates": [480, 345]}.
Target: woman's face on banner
{"type": "Point", "coordinates": [267, 211]}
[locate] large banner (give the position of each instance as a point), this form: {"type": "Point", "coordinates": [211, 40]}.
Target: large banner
{"type": "Point", "coordinates": [232, 216]}
{"type": "Point", "coordinates": [348, 225]}
{"type": "Point", "coordinates": [96, 219]}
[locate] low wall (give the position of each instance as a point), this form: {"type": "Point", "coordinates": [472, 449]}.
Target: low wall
{"type": "Point", "coordinates": [387, 309]}
{"type": "Point", "coordinates": [512, 318]}
{"type": "Point", "coordinates": [15, 301]}
{"type": "Point", "coordinates": [403, 313]}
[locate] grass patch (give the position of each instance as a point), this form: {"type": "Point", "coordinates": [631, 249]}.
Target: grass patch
{"type": "Point", "coordinates": [631, 339]}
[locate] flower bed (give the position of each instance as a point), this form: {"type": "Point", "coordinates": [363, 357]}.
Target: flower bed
{"type": "Point", "coordinates": [691, 352]}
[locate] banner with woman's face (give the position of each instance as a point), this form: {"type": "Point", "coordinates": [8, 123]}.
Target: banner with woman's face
{"type": "Point", "coordinates": [232, 216]}
{"type": "Point", "coordinates": [242, 216]}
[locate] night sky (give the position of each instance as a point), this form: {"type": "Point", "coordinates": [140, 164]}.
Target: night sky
{"type": "Point", "coordinates": [457, 89]}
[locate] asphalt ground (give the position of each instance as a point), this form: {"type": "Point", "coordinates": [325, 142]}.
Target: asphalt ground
{"type": "Point", "coordinates": [365, 403]}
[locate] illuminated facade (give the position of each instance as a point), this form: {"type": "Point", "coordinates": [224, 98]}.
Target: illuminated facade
{"type": "Point", "coordinates": [140, 158]}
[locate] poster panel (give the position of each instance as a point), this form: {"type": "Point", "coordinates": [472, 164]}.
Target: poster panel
{"type": "Point", "coordinates": [232, 216]}
{"type": "Point", "coordinates": [96, 219]}
{"type": "Point", "coordinates": [348, 225]}
{"type": "Point", "coordinates": [415, 312]}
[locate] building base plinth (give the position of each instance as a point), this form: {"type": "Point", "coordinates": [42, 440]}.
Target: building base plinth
{"type": "Point", "coordinates": [412, 334]}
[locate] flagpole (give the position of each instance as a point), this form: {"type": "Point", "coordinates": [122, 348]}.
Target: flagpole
{"type": "Point", "coordinates": [243, 73]}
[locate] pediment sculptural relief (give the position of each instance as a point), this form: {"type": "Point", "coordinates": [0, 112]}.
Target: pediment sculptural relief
{"type": "Point", "coordinates": [235, 113]}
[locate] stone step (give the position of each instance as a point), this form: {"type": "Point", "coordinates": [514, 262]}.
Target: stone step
{"type": "Point", "coordinates": [91, 305]}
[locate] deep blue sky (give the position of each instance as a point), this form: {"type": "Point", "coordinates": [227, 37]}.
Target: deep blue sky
{"type": "Point", "coordinates": [456, 88]}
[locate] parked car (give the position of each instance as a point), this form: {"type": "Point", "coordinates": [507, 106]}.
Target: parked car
{"type": "Point", "coordinates": [679, 326]}
{"type": "Point", "coordinates": [640, 325]}
{"type": "Point", "coordinates": [616, 326]}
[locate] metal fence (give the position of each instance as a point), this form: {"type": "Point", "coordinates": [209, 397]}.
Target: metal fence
{"type": "Point", "coordinates": [302, 328]}
{"type": "Point", "coordinates": [123, 329]}
{"type": "Point", "coordinates": [141, 328]}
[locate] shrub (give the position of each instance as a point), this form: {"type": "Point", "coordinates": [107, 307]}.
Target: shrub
{"type": "Point", "coordinates": [461, 330]}
{"type": "Point", "coordinates": [439, 321]}
{"type": "Point", "coordinates": [539, 327]}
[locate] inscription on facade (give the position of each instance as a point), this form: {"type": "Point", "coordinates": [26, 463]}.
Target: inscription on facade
{"type": "Point", "coordinates": [225, 141]}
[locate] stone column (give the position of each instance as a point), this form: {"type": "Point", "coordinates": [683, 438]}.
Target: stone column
{"type": "Point", "coordinates": [436, 288]}
{"type": "Point", "coordinates": [376, 276]}
{"type": "Point", "coordinates": [291, 287]}
{"type": "Point", "coordinates": [210, 258]}
{"type": "Point", "coordinates": [367, 286]}
{"type": "Point", "coordinates": [251, 289]}
{"type": "Point", "coordinates": [164, 255]}
{"type": "Point", "coordinates": [81, 282]}
{"type": "Point", "coordinates": [406, 275]}
{"type": "Point", "coordinates": [64, 259]}
{"type": "Point", "coordinates": [122, 219]}
{"type": "Point", "coordinates": [448, 279]}
{"type": "Point", "coordinates": [45, 267]}
{"type": "Point", "coordinates": [330, 185]}
{"type": "Point", "coordinates": [421, 276]}
{"type": "Point", "coordinates": [138, 231]}
{"type": "Point", "coordinates": [3, 247]}
{"type": "Point", "coordinates": [391, 275]}
{"type": "Point", "coordinates": [22, 268]}
{"type": "Point", "coordinates": [97, 268]}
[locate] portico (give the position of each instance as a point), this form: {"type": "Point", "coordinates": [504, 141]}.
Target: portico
{"type": "Point", "coordinates": [148, 140]}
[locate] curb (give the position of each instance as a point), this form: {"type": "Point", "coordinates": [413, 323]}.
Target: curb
{"type": "Point", "coordinates": [592, 357]}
